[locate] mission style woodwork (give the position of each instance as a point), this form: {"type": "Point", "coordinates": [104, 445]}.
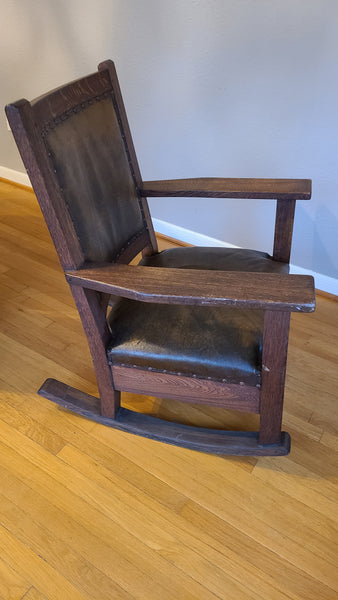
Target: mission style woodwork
{"type": "Point", "coordinates": [96, 273]}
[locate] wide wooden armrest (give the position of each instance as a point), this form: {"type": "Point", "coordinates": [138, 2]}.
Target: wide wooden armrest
{"type": "Point", "coordinates": [213, 187]}
{"type": "Point", "coordinates": [269, 291]}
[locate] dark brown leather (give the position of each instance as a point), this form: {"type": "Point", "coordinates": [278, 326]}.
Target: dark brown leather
{"type": "Point", "coordinates": [90, 161]}
{"type": "Point", "coordinates": [218, 259]}
{"type": "Point", "coordinates": [217, 342]}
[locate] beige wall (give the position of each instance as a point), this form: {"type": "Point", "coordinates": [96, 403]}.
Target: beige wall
{"type": "Point", "coordinates": [212, 88]}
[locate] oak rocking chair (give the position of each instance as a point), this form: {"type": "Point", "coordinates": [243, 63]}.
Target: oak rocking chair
{"type": "Point", "coordinates": [202, 325]}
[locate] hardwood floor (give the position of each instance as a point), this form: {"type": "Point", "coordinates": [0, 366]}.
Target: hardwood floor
{"type": "Point", "coordinates": [92, 513]}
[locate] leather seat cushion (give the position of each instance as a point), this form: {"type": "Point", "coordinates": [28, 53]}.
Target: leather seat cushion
{"type": "Point", "coordinates": [218, 259]}
{"type": "Point", "coordinates": [218, 342]}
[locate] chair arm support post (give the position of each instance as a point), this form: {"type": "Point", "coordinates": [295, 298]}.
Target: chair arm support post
{"type": "Point", "coordinates": [285, 211]}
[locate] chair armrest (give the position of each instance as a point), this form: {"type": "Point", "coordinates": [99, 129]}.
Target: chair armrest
{"type": "Point", "coordinates": [213, 187]}
{"type": "Point", "coordinates": [269, 291]}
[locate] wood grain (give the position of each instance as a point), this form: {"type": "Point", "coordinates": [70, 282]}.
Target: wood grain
{"type": "Point", "coordinates": [155, 284]}
{"type": "Point", "coordinates": [95, 325]}
{"type": "Point", "coordinates": [283, 230]}
{"type": "Point", "coordinates": [12, 585]}
{"type": "Point", "coordinates": [274, 356]}
{"type": "Point", "coordinates": [194, 438]}
{"type": "Point", "coordinates": [186, 389]}
{"type": "Point", "coordinates": [213, 187]}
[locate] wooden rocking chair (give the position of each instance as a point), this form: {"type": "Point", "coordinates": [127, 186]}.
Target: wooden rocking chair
{"type": "Point", "coordinates": [202, 325]}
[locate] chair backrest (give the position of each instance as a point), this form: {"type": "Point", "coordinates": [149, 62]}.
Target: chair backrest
{"type": "Point", "coordinates": [76, 145]}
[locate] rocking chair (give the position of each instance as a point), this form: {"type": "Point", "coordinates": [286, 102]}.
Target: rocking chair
{"type": "Point", "coordinates": [200, 325]}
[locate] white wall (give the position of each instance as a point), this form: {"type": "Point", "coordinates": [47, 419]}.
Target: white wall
{"type": "Point", "coordinates": [229, 88]}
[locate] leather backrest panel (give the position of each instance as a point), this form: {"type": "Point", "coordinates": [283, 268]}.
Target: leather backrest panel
{"type": "Point", "coordinates": [89, 158]}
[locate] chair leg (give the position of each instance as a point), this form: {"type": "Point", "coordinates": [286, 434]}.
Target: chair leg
{"type": "Point", "coordinates": [110, 402]}
{"type": "Point", "coordinates": [94, 322]}
{"type": "Point", "coordinates": [275, 346]}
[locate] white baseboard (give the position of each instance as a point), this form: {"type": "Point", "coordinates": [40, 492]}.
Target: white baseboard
{"type": "Point", "coordinates": [16, 176]}
{"type": "Point", "coordinates": [322, 282]}
{"type": "Point", "coordinates": [188, 236]}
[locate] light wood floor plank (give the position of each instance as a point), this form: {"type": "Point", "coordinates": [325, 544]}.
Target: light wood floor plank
{"type": "Point", "coordinates": [12, 585]}
{"type": "Point", "coordinates": [36, 569]}
{"type": "Point", "coordinates": [34, 594]}
{"type": "Point", "coordinates": [227, 502]}
{"type": "Point", "coordinates": [92, 509]}
{"type": "Point", "coordinates": [46, 544]}
{"type": "Point", "coordinates": [297, 583]}
{"type": "Point", "coordinates": [222, 555]}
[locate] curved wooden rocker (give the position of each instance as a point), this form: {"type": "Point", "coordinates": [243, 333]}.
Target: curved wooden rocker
{"type": "Point", "coordinates": [206, 325]}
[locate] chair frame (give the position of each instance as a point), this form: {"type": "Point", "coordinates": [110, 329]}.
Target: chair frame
{"type": "Point", "coordinates": [92, 284]}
